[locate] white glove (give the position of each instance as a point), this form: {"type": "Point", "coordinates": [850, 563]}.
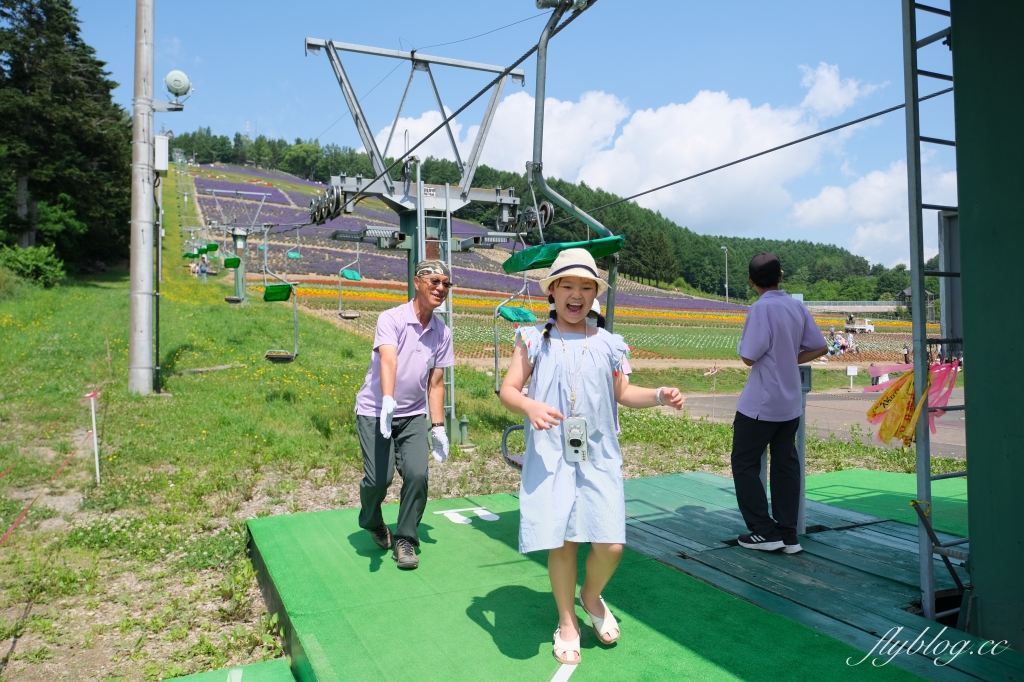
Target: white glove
{"type": "Point", "coordinates": [387, 411]}
{"type": "Point", "coordinates": [440, 443]}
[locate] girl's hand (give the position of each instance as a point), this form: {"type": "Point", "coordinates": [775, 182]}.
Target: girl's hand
{"type": "Point", "coordinates": [542, 415]}
{"type": "Point", "coordinates": [672, 396]}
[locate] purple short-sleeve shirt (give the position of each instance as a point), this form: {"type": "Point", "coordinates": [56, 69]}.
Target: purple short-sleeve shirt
{"type": "Point", "coordinates": [419, 351]}
{"type": "Point", "coordinates": [778, 327]}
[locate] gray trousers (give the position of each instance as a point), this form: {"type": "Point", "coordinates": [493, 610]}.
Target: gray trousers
{"type": "Point", "coordinates": [407, 449]}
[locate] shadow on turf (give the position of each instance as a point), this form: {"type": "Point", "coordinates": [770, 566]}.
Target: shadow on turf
{"type": "Point", "coordinates": [521, 619]}
{"type": "Point", "coordinates": [366, 547]}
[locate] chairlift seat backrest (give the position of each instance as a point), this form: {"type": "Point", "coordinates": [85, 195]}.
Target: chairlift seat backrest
{"type": "Point", "coordinates": [233, 262]}
{"type": "Point", "coordinates": [543, 255]}
{"type": "Point", "coordinates": [352, 275]}
{"type": "Point", "coordinates": [518, 314]}
{"type": "Point", "coordinates": [294, 255]}
{"type": "Point", "coordinates": [277, 292]}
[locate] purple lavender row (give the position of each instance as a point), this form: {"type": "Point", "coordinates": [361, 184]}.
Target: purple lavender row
{"type": "Point", "coordinates": [276, 196]}
{"type": "Point", "coordinates": [327, 261]}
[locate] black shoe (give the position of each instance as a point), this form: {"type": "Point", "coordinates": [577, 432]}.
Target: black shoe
{"type": "Point", "coordinates": [755, 541]}
{"type": "Point", "coordinates": [792, 546]}
{"type": "Point", "coordinates": [381, 535]}
{"type": "Point", "coordinates": [405, 554]}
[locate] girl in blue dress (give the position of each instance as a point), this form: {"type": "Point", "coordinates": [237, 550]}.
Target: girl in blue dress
{"type": "Point", "coordinates": [574, 370]}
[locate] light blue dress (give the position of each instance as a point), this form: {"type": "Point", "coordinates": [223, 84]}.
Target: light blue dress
{"type": "Point", "coordinates": [559, 500]}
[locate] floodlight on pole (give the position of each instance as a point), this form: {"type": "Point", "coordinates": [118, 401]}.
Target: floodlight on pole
{"type": "Point", "coordinates": [726, 249]}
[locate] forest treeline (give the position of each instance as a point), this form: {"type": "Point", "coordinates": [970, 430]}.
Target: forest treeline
{"type": "Point", "coordinates": [656, 249]}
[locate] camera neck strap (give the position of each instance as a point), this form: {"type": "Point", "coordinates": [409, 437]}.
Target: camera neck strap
{"type": "Point", "coordinates": [574, 372]}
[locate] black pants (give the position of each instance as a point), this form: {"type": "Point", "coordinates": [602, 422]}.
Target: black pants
{"type": "Point", "coordinates": [408, 449]}
{"type": "Point", "coordinates": [750, 437]}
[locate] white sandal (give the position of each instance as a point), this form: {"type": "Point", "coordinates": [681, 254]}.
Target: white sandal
{"type": "Point", "coordinates": [602, 626]}
{"type": "Point", "coordinates": [566, 647]}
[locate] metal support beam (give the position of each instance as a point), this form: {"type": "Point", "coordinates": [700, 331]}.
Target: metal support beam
{"type": "Point", "coordinates": [921, 369]}
{"type": "Point", "coordinates": [314, 45]}
{"type": "Point", "coordinates": [398, 114]}
{"type": "Point", "coordinates": [481, 136]}
{"type": "Point", "coordinates": [357, 115]}
{"type": "Point", "coordinates": [444, 116]}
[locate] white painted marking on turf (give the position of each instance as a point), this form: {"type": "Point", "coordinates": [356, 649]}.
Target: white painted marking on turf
{"type": "Point", "coordinates": [456, 517]}
{"type": "Point", "coordinates": [480, 511]}
{"type": "Point", "coordinates": [235, 675]}
{"type": "Point", "coordinates": [564, 672]}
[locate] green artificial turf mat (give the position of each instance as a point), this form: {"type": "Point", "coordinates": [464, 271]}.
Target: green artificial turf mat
{"type": "Point", "coordinates": [269, 671]}
{"type": "Point", "coordinates": [477, 609]}
{"type": "Point", "coordinates": [888, 495]}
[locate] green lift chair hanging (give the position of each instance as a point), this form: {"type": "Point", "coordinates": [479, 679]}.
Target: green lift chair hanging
{"type": "Point", "coordinates": [346, 273]}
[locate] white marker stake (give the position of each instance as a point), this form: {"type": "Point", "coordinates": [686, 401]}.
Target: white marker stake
{"type": "Point", "coordinates": [95, 443]}
{"type": "Point", "coordinates": [851, 372]}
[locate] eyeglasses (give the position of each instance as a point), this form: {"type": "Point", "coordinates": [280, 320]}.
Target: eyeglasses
{"type": "Point", "coordinates": [435, 283]}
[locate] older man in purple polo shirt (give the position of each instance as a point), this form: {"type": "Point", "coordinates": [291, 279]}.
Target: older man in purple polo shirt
{"type": "Point", "coordinates": [779, 334]}
{"type": "Point", "coordinates": [410, 351]}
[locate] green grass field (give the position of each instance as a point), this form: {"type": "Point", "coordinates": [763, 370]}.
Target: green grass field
{"type": "Point", "coordinates": [145, 576]}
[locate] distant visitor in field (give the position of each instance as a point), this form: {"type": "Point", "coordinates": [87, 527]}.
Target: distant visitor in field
{"type": "Point", "coordinates": [411, 348]}
{"type": "Point", "coordinates": [571, 489]}
{"type": "Point", "coordinates": [779, 334]}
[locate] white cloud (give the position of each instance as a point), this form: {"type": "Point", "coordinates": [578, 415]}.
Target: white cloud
{"type": "Point", "coordinates": [438, 146]}
{"type": "Point", "coordinates": [657, 146]}
{"type": "Point", "coordinates": [573, 133]}
{"type": "Point", "coordinates": [828, 94]}
{"type": "Point", "coordinates": [869, 216]}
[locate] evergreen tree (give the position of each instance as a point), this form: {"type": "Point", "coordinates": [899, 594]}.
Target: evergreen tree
{"type": "Point", "coordinates": [66, 151]}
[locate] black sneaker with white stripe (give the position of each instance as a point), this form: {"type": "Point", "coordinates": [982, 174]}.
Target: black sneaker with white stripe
{"type": "Point", "coordinates": [755, 541]}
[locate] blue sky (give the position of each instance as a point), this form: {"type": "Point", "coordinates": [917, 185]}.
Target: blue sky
{"type": "Point", "coordinates": [639, 93]}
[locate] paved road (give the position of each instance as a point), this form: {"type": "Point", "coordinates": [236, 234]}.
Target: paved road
{"type": "Point", "coordinates": [837, 410]}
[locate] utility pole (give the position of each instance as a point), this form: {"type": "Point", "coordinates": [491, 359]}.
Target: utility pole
{"type": "Point", "coordinates": [726, 249]}
{"type": "Point", "coordinates": [140, 306]}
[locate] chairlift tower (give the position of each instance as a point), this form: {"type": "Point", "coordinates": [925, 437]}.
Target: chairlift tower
{"type": "Point", "coordinates": [424, 211]}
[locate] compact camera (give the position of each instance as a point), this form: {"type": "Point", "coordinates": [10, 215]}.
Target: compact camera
{"type": "Point", "coordinates": [575, 431]}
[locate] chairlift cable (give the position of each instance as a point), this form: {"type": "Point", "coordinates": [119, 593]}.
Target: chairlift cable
{"type": "Point", "coordinates": [521, 21]}
{"type": "Point", "coordinates": [358, 195]}
{"type": "Point", "coordinates": [761, 153]}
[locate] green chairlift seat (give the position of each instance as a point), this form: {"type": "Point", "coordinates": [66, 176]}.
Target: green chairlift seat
{"type": "Point", "coordinates": [352, 275]}
{"type": "Point", "coordinates": [232, 262]}
{"type": "Point", "coordinates": [202, 250]}
{"type": "Point", "coordinates": [543, 255]}
{"type": "Point", "coordinates": [294, 255]}
{"type": "Point", "coordinates": [262, 247]}
{"type": "Point", "coordinates": [517, 314]}
{"type": "Point", "coordinates": [211, 247]}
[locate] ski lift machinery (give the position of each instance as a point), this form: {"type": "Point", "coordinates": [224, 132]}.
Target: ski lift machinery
{"type": "Point", "coordinates": [424, 211]}
{"type": "Point", "coordinates": [606, 247]}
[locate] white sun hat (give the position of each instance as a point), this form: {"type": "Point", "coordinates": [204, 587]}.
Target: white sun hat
{"type": "Point", "coordinates": [596, 307]}
{"type": "Point", "coordinates": [574, 263]}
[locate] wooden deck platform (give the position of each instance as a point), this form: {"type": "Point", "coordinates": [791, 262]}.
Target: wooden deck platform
{"type": "Point", "coordinates": [855, 580]}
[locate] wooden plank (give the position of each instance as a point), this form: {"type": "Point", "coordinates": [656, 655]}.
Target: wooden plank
{"type": "Point", "coordinates": [904, 572]}
{"type": "Point", "coordinates": [854, 603]}
{"type": "Point", "coordinates": [689, 526]}
{"type": "Point", "coordinates": [902, 562]}
{"type": "Point", "coordinates": [680, 543]}
{"type": "Point", "coordinates": [652, 546]}
{"type": "Point", "coordinates": [682, 515]}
